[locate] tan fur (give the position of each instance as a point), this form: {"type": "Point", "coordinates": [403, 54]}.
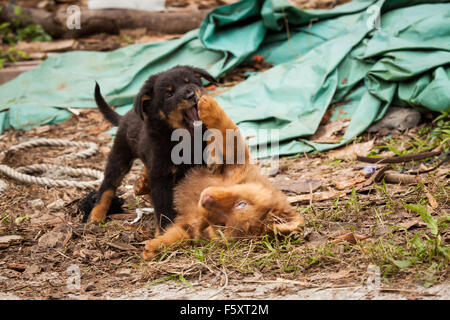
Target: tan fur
{"type": "Point", "coordinates": [98, 213]}
{"type": "Point", "coordinates": [162, 115]}
{"type": "Point", "coordinates": [175, 117]}
{"type": "Point", "coordinates": [207, 201]}
{"type": "Point", "coordinates": [141, 186]}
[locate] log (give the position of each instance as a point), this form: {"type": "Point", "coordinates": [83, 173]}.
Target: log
{"type": "Point", "coordinates": [107, 20]}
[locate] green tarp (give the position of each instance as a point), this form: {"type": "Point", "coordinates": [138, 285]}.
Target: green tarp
{"type": "Point", "coordinates": [320, 57]}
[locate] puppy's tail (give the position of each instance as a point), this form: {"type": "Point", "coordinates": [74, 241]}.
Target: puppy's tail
{"type": "Point", "coordinates": [104, 107]}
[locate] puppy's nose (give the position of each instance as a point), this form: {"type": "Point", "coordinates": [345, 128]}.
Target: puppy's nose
{"type": "Point", "coordinates": [207, 200]}
{"type": "Point", "coordinates": [190, 94]}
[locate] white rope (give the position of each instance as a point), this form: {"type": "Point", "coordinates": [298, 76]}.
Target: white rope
{"type": "Point", "coordinates": [22, 174]}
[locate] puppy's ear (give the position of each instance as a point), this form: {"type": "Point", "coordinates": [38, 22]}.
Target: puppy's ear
{"type": "Point", "coordinates": [140, 103]}
{"type": "Point", "coordinates": [200, 73]}
{"type": "Point", "coordinates": [144, 97]}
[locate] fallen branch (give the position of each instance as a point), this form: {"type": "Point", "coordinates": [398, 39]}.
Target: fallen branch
{"type": "Point", "coordinates": [400, 159]}
{"type": "Point", "coordinates": [395, 177]}
{"type": "Point", "coordinates": [107, 20]}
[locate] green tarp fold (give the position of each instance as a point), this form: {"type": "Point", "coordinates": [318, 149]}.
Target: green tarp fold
{"type": "Point", "coordinates": [320, 57]}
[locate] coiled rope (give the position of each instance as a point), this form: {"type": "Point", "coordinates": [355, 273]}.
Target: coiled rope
{"type": "Point", "coordinates": [22, 174]}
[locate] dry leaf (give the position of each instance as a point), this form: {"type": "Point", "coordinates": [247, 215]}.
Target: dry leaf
{"type": "Point", "coordinates": [297, 186]}
{"type": "Point", "coordinates": [351, 151]}
{"type": "Point", "coordinates": [350, 237]}
{"type": "Point", "coordinates": [318, 196]}
{"type": "Point", "coordinates": [11, 238]}
{"type": "Point", "coordinates": [329, 132]}
{"type": "Point", "coordinates": [339, 275]}
{"type": "Point", "coordinates": [122, 246]}
{"type": "Point", "coordinates": [412, 223]}
{"type": "Point", "coordinates": [17, 266]}
{"type": "Point", "coordinates": [432, 201]}
{"type": "Point", "coordinates": [349, 183]}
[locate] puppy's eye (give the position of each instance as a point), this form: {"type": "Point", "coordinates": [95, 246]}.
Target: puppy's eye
{"type": "Point", "coordinates": [169, 94]}
{"type": "Point", "coordinates": [241, 205]}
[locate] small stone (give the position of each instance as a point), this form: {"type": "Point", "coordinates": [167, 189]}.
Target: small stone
{"type": "Point", "coordinates": [58, 204]}
{"type": "Point", "coordinates": [36, 204]}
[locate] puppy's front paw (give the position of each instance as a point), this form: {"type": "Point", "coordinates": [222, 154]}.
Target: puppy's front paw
{"type": "Point", "coordinates": [148, 255]}
{"type": "Point", "coordinates": [151, 249]}
{"type": "Point", "coordinates": [209, 112]}
{"type": "Point", "coordinates": [98, 214]}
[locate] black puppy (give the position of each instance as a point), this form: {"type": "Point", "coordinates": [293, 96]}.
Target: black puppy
{"type": "Point", "coordinates": [167, 101]}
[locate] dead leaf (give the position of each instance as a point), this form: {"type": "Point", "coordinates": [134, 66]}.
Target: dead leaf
{"type": "Point", "coordinates": [432, 201]}
{"type": "Point", "coordinates": [56, 238]}
{"type": "Point", "coordinates": [412, 223]}
{"type": "Point", "coordinates": [17, 266]}
{"type": "Point", "coordinates": [350, 237]}
{"type": "Point", "coordinates": [339, 275]}
{"type": "Point", "coordinates": [116, 261]}
{"type": "Point", "coordinates": [47, 219]}
{"type": "Point", "coordinates": [42, 129]}
{"type": "Point", "coordinates": [33, 269]}
{"type": "Point", "coordinates": [312, 236]}
{"type": "Point", "coordinates": [347, 183]}
{"type": "Point", "coordinates": [329, 132]}
{"type": "Point", "coordinates": [318, 196]}
{"type": "Point", "coordinates": [122, 246]}
{"type": "Point", "coordinates": [351, 151]}
{"type": "Point", "coordinates": [9, 239]}
{"type": "Point", "coordinates": [99, 129]}
{"type": "Point", "coordinates": [124, 272]}
{"type": "Point", "coordinates": [285, 183]}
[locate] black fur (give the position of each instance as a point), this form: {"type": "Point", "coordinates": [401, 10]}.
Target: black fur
{"type": "Point", "coordinates": [104, 108]}
{"type": "Point", "coordinates": [86, 204]}
{"type": "Point", "coordinates": [145, 133]}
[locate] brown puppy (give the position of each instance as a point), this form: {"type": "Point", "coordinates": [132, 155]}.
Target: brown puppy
{"type": "Point", "coordinates": [167, 101]}
{"type": "Point", "coordinates": [237, 199]}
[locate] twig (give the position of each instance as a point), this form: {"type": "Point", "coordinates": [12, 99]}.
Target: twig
{"type": "Point", "coordinates": [223, 287]}
{"type": "Point", "coordinates": [61, 254]}
{"type": "Point", "coordinates": [400, 159]}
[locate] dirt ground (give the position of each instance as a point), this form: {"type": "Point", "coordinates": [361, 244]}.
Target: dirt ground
{"type": "Point", "coordinates": [53, 255]}
{"type": "Point", "coordinates": [360, 241]}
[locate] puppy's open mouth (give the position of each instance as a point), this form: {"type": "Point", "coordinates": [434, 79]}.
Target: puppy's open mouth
{"type": "Point", "coordinates": [191, 116]}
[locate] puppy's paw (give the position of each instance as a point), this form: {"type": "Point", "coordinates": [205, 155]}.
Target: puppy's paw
{"type": "Point", "coordinates": [209, 112]}
{"type": "Point", "coordinates": [148, 255]}
{"type": "Point", "coordinates": [151, 249]}
{"type": "Point", "coordinates": [98, 214]}
{"type": "Point", "coordinates": [141, 186]}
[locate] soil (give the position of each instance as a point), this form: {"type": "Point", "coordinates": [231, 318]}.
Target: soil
{"type": "Point", "coordinates": [53, 246]}
{"type": "Point", "coordinates": [46, 252]}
